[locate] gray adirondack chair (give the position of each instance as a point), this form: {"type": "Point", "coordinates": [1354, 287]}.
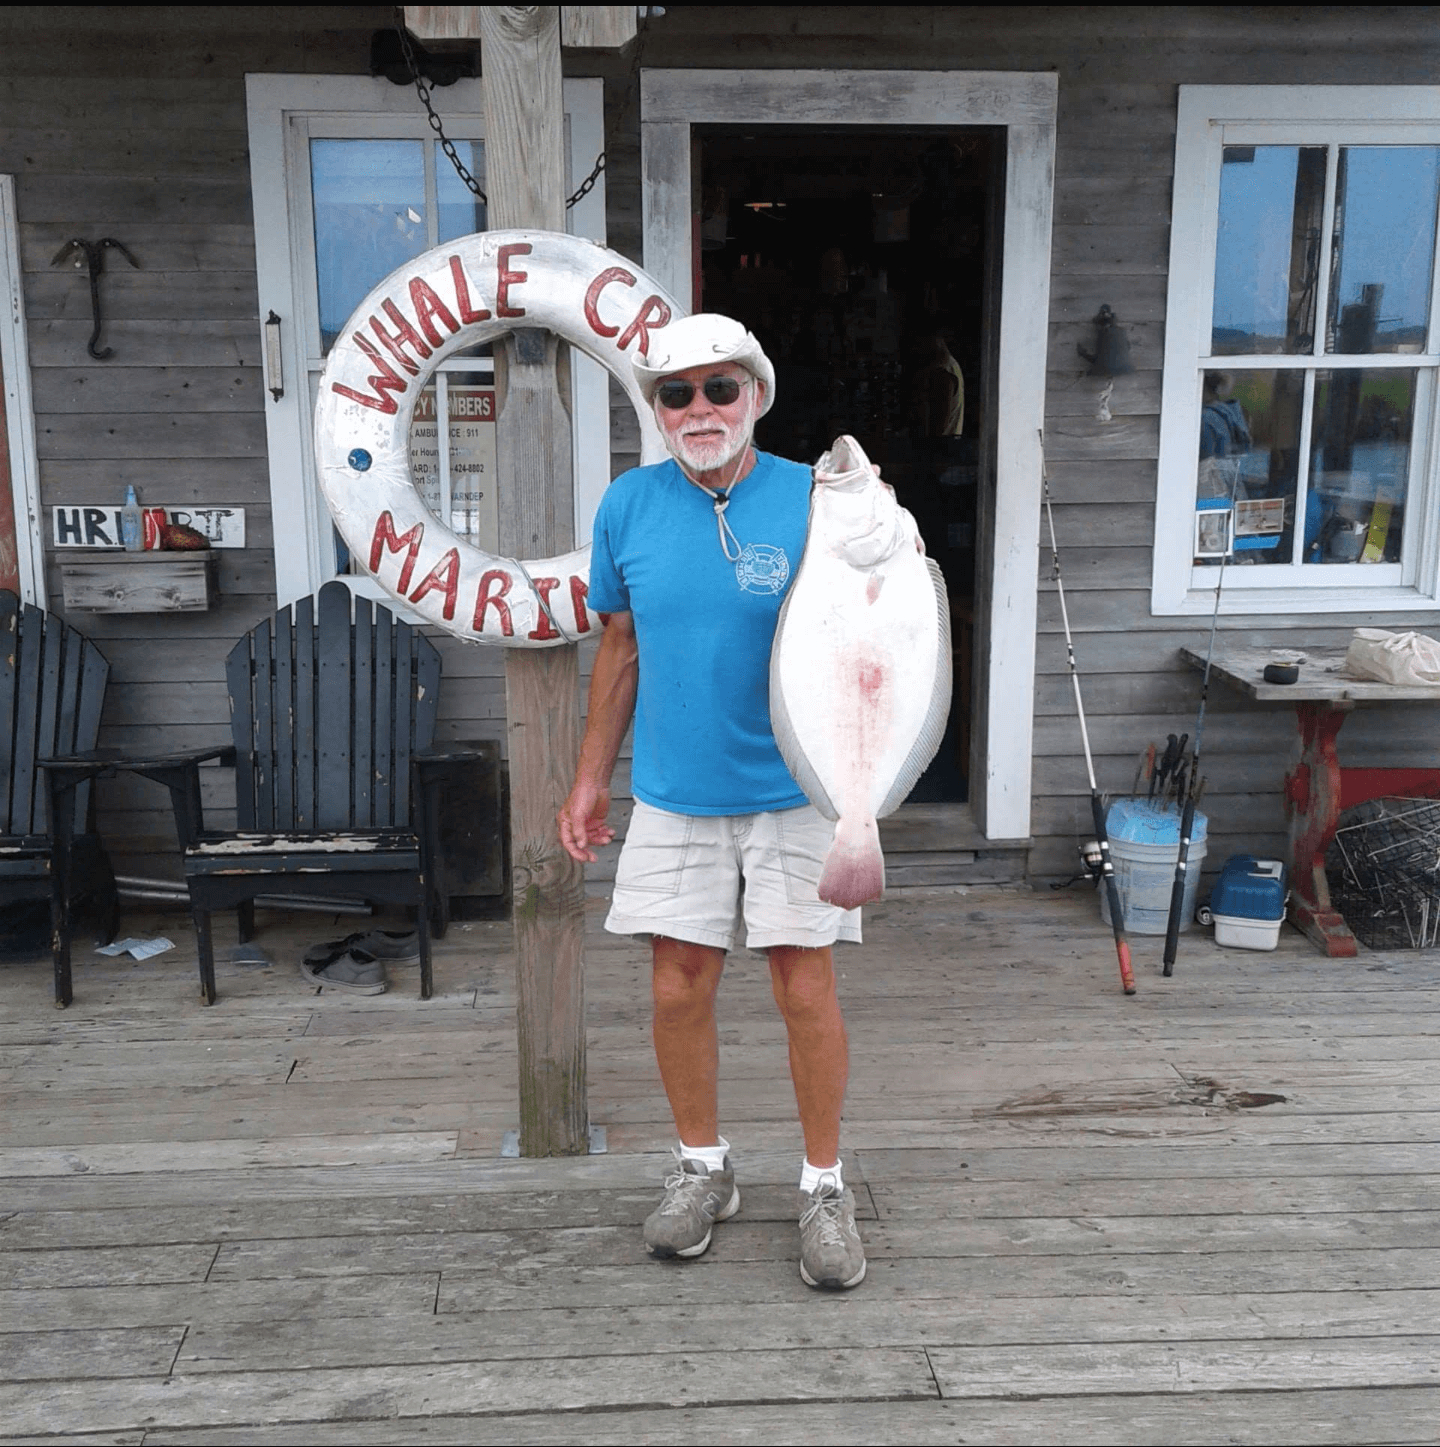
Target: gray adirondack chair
{"type": "Point", "coordinates": [332, 718]}
{"type": "Point", "coordinates": [52, 688]}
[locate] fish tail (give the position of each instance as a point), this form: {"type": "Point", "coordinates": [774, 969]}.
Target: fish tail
{"type": "Point", "coordinates": [854, 872]}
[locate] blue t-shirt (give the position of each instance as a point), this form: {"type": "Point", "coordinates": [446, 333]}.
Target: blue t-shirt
{"type": "Point", "coordinates": [704, 625]}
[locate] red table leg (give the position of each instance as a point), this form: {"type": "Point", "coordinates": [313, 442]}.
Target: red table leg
{"type": "Point", "coordinates": [1312, 804]}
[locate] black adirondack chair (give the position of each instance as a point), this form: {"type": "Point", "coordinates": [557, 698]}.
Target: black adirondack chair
{"type": "Point", "coordinates": [331, 721]}
{"type": "Point", "coordinates": [52, 687]}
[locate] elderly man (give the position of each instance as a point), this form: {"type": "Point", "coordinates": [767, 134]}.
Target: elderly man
{"type": "Point", "coordinates": [691, 562]}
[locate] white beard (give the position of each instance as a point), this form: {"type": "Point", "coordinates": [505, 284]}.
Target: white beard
{"type": "Point", "coordinates": [707, 455]}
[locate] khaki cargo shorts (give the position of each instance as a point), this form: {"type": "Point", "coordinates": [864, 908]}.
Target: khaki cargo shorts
{"type": "Point", "coordinates": [698, 877]}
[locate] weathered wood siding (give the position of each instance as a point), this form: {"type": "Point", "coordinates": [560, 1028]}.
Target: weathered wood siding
{"type": "Point", "coordinates": [1119, 69]}
{"type": "Point", "coordinates": [130, 122]}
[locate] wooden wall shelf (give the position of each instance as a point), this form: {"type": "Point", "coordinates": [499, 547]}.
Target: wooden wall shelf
{"type": "Point", "coordinates": [151, 582]}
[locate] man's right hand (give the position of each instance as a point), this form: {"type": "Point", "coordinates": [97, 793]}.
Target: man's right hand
{"type": "Point", "coordinates": [582, 822]}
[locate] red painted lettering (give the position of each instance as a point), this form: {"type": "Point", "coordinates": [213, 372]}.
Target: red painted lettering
{"type": "Point", "coordinates": [385, 381]}
{"type": "Point", "coordinates": [505, 278]}
{"type": "Point", "coordinates": [485, 599]}
{"type": "Point", "coordinates": [444, 577]}
{"type": "Point", "coordinates": [579, 591]}
{"type": "Point", "coordinates": [592, 297]}
{"type": "Point", "coordinates": [467, 312]}
{"type": "Point", "coordinates": [642, 326]}
{"type": "Point", "coordinates": [428, 306]}
{"type": "Point", "coordinates": [404, 336]}
{"type": "Point", "coordinates": [386, 539]}
{"type": "Point", "coordinates": [543, 626]}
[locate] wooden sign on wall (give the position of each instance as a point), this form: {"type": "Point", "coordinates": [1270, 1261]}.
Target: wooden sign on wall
{"type": "Point", "coordinates": [99, 527]}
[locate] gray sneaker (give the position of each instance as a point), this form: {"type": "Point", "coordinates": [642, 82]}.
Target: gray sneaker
{"type": "Point", "coordinates": [398, 947]}
{"type": "Point", "coordinates": [831, 1253]}
{"type": "Point", "coordinates": [355, 971]}
{"type": "Point", "coordinates": [694, 1200]}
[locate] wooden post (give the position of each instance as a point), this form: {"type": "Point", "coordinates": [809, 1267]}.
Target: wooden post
{"type": "Point", "coordinates": [524, 169]}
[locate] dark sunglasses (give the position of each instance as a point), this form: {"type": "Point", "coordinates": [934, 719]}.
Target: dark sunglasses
{"type": "Point", "coordinates": [676, 396]}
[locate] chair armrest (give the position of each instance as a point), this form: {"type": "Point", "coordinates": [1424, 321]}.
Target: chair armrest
{"type": "Point", "coordinates": [186, 758]}
{"type": "Point", "coordinates": [453, 752]}
{"type": "Point", "coordinates": [93, 762]}
{"type": "Point", "coordinates": [76, 768]}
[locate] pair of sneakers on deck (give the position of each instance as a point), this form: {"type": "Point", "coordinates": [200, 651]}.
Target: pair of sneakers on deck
{"type": "Point", "coordinates": [697, 1196]}
{"type": "Point", "coordinates": [357, 963]}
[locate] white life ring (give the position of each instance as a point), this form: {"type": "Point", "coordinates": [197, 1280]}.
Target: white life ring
{"type": "Point", "coordinates": [467, 291]}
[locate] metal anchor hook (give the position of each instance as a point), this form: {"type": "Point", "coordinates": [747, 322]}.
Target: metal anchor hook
{"type": "Point", "coordinates": [94, 254]}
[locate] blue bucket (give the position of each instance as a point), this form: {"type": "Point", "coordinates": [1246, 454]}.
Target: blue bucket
{"type": "Point", "coordinates": [1144, 847]}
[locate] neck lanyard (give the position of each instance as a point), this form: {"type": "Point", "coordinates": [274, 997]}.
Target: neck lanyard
{"type": "Point", "coordinates": [728, 539]}
{"type": "Point", "coordinates": [720, 497]}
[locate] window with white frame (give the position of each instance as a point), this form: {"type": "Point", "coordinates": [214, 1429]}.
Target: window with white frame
{"type": "Point", "coordinates": [350, 183]}
{"type": "Point", "coordinates": [1298, 436]}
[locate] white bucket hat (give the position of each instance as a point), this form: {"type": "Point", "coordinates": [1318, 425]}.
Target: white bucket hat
{"type": "Point", "coordinates": [696, 342]}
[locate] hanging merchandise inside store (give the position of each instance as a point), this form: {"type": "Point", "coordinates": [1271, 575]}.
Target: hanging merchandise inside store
{"type": "Point", "coordinates": [861, 259]}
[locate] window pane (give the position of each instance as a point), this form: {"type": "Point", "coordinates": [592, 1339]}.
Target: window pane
{"type": "Point", "coordinates": [474, 513]}
{"type": "Point", "coordinates": [461, 211]}
{"type": "Point", "coordinates": [1267, 256]}
{"type": "Point", "coordinates": [369, 201]}
{"type": "Point", "coordinates": [1359, 465]}
{"type": "Point", "coordinates": [1384, 243]}
{"type": "Point", "coordinates": [1249, 451]}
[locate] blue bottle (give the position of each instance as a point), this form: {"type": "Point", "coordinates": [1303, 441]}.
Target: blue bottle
{"type": "Point", "coordinates": [132, 523]}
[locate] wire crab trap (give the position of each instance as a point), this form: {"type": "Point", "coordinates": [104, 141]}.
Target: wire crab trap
{"type": "Point", "coordinates": [1384, 872]}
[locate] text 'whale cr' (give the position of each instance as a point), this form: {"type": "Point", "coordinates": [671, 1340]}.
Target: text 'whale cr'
{"type": "Point", "coordinates": [465, 292]}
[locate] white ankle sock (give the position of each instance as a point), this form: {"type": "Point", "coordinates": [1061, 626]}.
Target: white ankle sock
{"type": "Point", "coordinates": [713, 1157]}
{"type": "Point", "coordinates": [810, 1176]}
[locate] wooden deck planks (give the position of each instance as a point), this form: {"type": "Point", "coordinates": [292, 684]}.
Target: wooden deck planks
{"type": "Point", "coordinates": [570, 1384]}
{"type": "Point", "coordinates": [1320, 1417]}
{"type": "Point", "coordinates": [290, 1209]}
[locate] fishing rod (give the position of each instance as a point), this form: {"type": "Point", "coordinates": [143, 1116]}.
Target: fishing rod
{"type": "Point", "coordinates": [1191, 790]}
{"type": "Point", "coordinates": [1097, 806]}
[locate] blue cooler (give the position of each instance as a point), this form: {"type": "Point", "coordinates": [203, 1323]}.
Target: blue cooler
{"type": "Point", "coordinates": [1247, 904]}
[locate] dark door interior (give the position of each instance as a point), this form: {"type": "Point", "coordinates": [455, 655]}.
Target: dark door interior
{"type": "Point", "coordinates": [859, 258]}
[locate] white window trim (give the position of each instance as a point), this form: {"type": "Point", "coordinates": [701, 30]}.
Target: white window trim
{"type": "Point", "coordinates": [1208, 118]}
{"type": "Point", "coordinates": [20, 406]}
{"type": "Point", "coordinates": [304, 551]}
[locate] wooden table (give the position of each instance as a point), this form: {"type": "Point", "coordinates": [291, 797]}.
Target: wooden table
{"type": "Point", "coordinates": [1317, 788]}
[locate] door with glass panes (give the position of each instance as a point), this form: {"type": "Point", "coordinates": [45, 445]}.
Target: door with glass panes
{"type": "Point", "coordinates": [350, 183]}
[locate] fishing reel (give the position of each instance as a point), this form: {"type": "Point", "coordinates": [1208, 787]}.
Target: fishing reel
{"type": "Point", "coordinates": [1092, 865]}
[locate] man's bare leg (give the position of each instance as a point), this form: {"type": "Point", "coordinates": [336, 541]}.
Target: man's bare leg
{"type": "Point", "coordinates": [804, 984]}
{"type": "Point", "coordinates": [685, 979]}
{"type": "Point", "coordinates": [831, 1252]}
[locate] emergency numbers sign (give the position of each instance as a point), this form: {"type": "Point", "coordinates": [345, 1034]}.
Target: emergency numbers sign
{"type": "Point", "coordinates": [464, 494]}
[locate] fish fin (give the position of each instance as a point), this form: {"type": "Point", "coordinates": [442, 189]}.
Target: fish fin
{"type": "Point", "coordinates": [786, 741]}
{"type": "Point", "coordinates": [854, 872]}
{"type": "Point", "coordinates": [932, 731]}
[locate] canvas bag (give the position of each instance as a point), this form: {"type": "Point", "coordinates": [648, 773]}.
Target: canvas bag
{"type": "Point", "coordinates": [1405, 659]}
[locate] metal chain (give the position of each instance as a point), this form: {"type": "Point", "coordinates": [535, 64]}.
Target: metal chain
{"type": "Point", "coordinates": [448, 146]}
{"type": "Point", "coordinates": [588, 184]}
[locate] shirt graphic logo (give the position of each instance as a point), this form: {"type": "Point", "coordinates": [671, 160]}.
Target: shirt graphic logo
{"type": "Point", "coordinates": [762, 568]}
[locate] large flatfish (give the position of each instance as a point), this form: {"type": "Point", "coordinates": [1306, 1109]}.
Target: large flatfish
{"type": "Point", "coordinates": [860, 667]}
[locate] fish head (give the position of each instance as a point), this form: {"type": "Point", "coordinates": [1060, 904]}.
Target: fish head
{"type": "Point", "coordinates": [857, 513]}
{"type": "Point", "coordinates": [844, 467]}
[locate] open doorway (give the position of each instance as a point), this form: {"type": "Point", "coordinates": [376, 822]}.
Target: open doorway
{"type": "Point", "coordinates": [864, 260]}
